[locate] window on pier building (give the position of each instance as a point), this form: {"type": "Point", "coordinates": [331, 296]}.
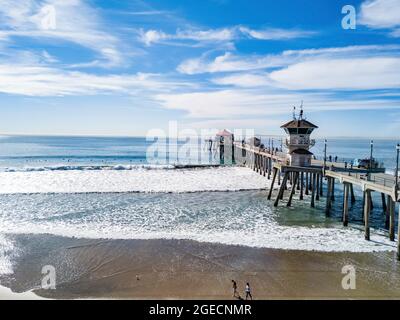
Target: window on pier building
{"type": "Point", "coordinates": [299, 130]}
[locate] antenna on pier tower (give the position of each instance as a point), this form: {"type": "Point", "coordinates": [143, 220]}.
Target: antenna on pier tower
{"type": "Point", "coordinates": [301, 111]}
{"type": "Point", "coordinates": [294, 113]}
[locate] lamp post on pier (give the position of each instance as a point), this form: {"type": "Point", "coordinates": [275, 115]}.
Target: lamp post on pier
{"type": "Point", "coordinates": [370, 160]}
{"type": "Point", "coordinates": [396, 188]}
{"type": "Point", "coordinates": [325, 141]}
{"type": "Point", "coordinates": [397, 168]}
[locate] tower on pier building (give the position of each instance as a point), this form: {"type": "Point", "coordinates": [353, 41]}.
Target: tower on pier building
{"type": "Point", "coordinates": [298, 140]}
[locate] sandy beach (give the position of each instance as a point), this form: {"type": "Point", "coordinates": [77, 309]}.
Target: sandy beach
{"type": "Point", "coordinates": [184, 269]}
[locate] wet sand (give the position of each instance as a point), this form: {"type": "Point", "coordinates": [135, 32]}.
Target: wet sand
{"type": "Point", "coordinates": [184, 269]}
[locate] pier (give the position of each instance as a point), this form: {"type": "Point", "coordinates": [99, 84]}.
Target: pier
{"type": "Point", "coordinates": [297, 173]}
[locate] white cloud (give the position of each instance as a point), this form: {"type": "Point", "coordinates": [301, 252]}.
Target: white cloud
{"type": "Point", "coordinates": [152, 36]}
{"type": "Point", "coordinates": [380, 13]}
{"type": "Point", "coordinates": [240, 103]}
{"type": "Point", "coordinates": [246, 80]}
{"type": "Point", "coordinates": [75, 22]}
{"type": "Point", "coordinates": [229, 62]}
{"type": "Point", "coordinates": [234, 124]}
{"type": "Point", "coordinates": [346, 74]}
{"type": "Point", "coordinates": [37, 80]}
{"type": "Point", "coordinates": [220, 35]}
{"type": "Point", "coordinates": [213, 35]}
{"type": "Point", "coordinates": [275, 34]}
{"type": "Point", "coordinates": [224, 34]}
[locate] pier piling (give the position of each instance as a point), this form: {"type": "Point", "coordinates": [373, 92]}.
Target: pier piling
{"type": "Point", "coordinates": [307, 185]}
{"type": "Point", "coordinates": [392, 207]}
{"type": "Point", "coordinates": [281, 189]}
{"type": "Point", "coordinates": [313, 190]}
{"type": "Point", "coordinates": [346, 204]}
{"type": "Point", "coordinates": [353, 198]}
{"type": "Point", "coordinates": [292, 192]}
{"type": "Point", "coordinates": [272, 183]}
{"type": "Point", "coordinates": [301, 185]}
{"type": "Point", "coordinates": [367, 209]}
{"type": "Point", "coordinates": [328, 197]}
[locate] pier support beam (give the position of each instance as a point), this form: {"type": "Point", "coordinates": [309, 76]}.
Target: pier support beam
{"type": "Point", "coordinates": [257, 162]}
{"type": "Point", "coordinates": [307, 184]}
{"type": "Point", "coordinates": [384, 207]}
{"type": "Point", "coordinates": [321, 185]}
{"type": "Point", "coordinates": [272, 183]}
{"type": "Point", "coordinates": [295, 179]}
{"type": "Point", "coordinates": [298, 181]}
{"type": "Point", "coordinates": [371, 203]}
{"type": "Point", "coordinates": [281, 189]}
{"type": "Point", "coordinates": [346, 187]}
{"type": "Point", "coordinates": [269, 167]}
{"type": "Point", "coordinates": [301, 185]}
{"type": "Point", "coordinates": [387, 214]}
{"type": "Point", "coordinates": [367, 210]}
{"type": "Point", "coordinates": [313, 190]}
{"type": "Point", "coordinates": [353, 198]}
{"type": "Point", "coordinates": [392, 208]}
{"type": "Point", "coordinates": [265, 166]}
{"type": "Point", "coordinates": [398, 237]}
{"type": "Point", "coordinates": [328, 197]}
{"type": "Point", "coordinates": [317, 190]}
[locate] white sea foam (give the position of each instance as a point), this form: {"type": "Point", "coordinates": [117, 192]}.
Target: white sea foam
{"type": "Point", "coordinates": [179, 180]}
{"type": "Point", "coordinates": [242, 218]}
{"type": "Point", "coordinates": [6, 251]}
{"type": "Point", "coordinates": [88, 167]}
{"type": "Point", "coordinates": [337, 239]}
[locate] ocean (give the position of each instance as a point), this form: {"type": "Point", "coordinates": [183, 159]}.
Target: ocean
{"type": "Point", "coordinates": [106, 188]}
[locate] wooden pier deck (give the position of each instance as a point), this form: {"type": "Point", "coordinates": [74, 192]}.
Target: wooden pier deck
{"type": "Point", "coordinates": [310, 180]}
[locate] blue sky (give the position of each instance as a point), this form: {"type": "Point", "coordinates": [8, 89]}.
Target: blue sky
{"type": "Point", "coordinates": [124, 67]}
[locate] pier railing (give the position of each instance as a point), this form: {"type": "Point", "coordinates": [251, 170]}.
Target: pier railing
{"type": "Point", "coordinates": [383, 180]}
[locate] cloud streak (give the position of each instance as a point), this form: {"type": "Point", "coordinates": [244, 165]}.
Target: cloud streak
{"type": "Point", "coordinates": [340, 74]}
{"type": "Point", "coordinates": [75, 22]}
{"type": "Point", "coordinates": [37, 80]}
{"type": "Point", "coordinates": [239, 103]}
{"type": "Point", "coordinates": [381, 14]}
{"type": "Point", "coordinates": [208, 36]}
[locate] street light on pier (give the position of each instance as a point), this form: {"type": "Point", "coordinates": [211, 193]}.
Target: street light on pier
{"type": "Point", "coordinates": [370, 160]}
{"type": "Point", "coordinates": [397, 167]}
{"type": "Point", "coordinates": [325, 141]}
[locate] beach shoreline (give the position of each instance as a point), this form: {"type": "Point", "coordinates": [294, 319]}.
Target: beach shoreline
{"type": "Point", "coordinates": [186, 269]}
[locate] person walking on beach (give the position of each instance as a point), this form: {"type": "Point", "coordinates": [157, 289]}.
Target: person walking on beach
{"type": "Point", "coordinates": [234, 288]}
{"type": "Point", "coordinates": [248, 291]}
